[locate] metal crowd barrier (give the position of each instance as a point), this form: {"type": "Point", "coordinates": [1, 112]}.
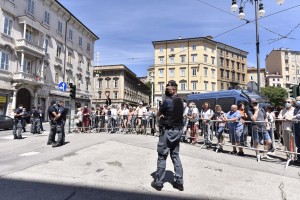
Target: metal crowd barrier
{"type": "Point", "coordinates": [281, 133]}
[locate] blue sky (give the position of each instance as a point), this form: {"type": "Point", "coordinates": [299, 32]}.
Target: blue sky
{"type": "Point", "coordinates": [127, 27]}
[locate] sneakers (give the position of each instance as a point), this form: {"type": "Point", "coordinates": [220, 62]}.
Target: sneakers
{"type": "Point", "coordinates": [266, 157]}
{"type": "Point", "coordinates": [258, 157]}
{"type": "Point", "coordinates": [241, 153]}
{"type": "Point", "coordinates": [157, 187]}
{"type": "Point", "coordinates": [178, 186]}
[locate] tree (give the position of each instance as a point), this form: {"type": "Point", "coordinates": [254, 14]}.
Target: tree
{"type": "Point", "coordinates": [276, 95]}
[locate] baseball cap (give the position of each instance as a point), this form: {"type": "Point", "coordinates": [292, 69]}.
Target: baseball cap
{"type": "Point", "coordinates": [141, 103]}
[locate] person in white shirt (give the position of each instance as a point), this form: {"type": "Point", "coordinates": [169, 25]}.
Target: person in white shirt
{"type": "Point", "coordinates": [286, 115]}
{"type": "Point", "coordinates": [141, 118]}
{"type": "Point", "coordinates": [193, 117]}
{"type": "Point", "coordinates": [206, 115]}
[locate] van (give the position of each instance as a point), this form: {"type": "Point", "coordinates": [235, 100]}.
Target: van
{"type": "Point", "coordinates": [226, 98]}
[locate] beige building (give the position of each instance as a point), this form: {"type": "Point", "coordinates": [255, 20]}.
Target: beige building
{"type": "Point", "coordinates": [120, 84]}
{"type": "Point", "coordinates": [286, 63]}
{"type": "Point", "coordinates": [197, 65]}
{"type": "Point", "coordinates": [252, 76]}
{"type": "Point", "coordinates": [41, 45]}
{"type": "Point", "coordinates": [274, 80]}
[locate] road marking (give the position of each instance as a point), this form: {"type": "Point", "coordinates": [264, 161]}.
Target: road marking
{"type": "Point", "coordinates": [9, 137]}
{"type": "Point", "coordinates": [29, 153]}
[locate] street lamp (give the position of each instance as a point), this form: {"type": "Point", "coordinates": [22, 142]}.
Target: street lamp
{"type": "Point", "coordinates": [259, 12]}
{"type": "Point", "coordinates": [152, 88]}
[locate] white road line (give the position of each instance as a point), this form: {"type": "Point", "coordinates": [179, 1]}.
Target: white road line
{"type": "Point", "coordinates": [29, 153]}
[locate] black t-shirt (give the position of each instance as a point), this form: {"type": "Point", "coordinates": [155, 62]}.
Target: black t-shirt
{"type": "Point", "coordinates": [50, 110]}
{"type": "Point", "coordinates": [35, 113]}
{"type": "Point", "coordinates": [63, 112]}
{"type": "Point", "coordinates": [18, 111]}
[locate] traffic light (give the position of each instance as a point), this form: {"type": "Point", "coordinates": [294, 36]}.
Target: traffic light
{"type": "Point", "coordinates": [294, 91]}
{"type": "Point", "coordinates": [72, 91]}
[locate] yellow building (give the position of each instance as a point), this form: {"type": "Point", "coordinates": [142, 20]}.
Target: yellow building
{"type": "Point", "coordinates": [196, 65]}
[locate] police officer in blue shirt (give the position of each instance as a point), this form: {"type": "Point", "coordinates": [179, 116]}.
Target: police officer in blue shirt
{"type": "Point", "coordinates": [171, 119]}
{"type": "Point", "coordinates": [52, 113]}
{"type": "Point", "coordinates": [60, 120]}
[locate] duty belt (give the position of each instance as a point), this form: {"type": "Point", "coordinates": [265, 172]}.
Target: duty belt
{"type": "Point", "coordinates": [172, 127]}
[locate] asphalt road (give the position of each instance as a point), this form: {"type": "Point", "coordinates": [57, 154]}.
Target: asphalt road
{"type": "Point", "coordinates": [117, 166]}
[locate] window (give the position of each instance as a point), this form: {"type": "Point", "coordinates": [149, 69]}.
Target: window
{"type": "Point", "coordinates": [194, 85]}
{"type": "Point", "coordinates": [69, 57]}
{"type": "Point", "coordinates": [172, 59]}
{"type": "Point", "coordinates": [87, 86]}
{"type": "Point", "coordinates": [227, 74]}
{"type": "Point", "coordinates": [116, 83]}
{"type": "Point", "coordinates": [194, 71]}
{"type": "Point", "coordinates": [227, 53]}
{"type": "Point", "coordinates": [227, 62]}
{"type": "Point", "coordinates": [194, 47]}
{"type": "Point", "coordinates": [213, 87]}
{"type": "Point", "coordinates": [30, 7]}
{"type": "Point", "coordinates": [56, 77]}
{"type": "Point", "coordinates": [212, 51]}
{"type": "Point", "coordinates": [212, 60]}
{"type": "Point", "coordinates": [243, 66]}
{"type": "Point", "coordinates": [222, 86]}
{"type": "Point", "coordinates": [88, 65]}
{"type": "Point", "coordinates": [161, 49]}
{"type": "Point", "coordinates": [205, 71]}
{"type": "Point", "coordinates": [161, 86]}
{"type": "Point", "coordinates": [47, 18]}
{"type": "Point", "coordinates": [194, 57]}
{"type": "Point", "coordinates": [171, 49]}
{"type": "Point", "coordinates": [205, 58]}
{"type": "Point", "coordinates": [88, 47]}
{"type": "Point", "coordinates": [232, 64]}
{"type": "Point", "coordinates": [28, 35]}
{"type": "Point", "coordinates": [80, 58]}
{"type": "Point", "coordinates": [80, 41]}
{"type": "Point", "coordinates": [243, 77]}
{"type": "Point", "coordinates": [27, 66]}
{"type": "Point", "coordinates": [58, 50]}
{"type": "Point", "coordinates": [46, 43]}
{"type": "Point", "coordinates": [171, 72]}
{"type": "Point", "coordinates": [205, 48]}
{"type": "Point", "coordinates": [5, 57]}
{"type": "Point", "coordinates": [115, 95]}
{"type": "Point", "coordinates": [238, 76]}
{"type": "Point", "coordinates": [182, 47]}
{"type": "Point", "coordinates": [183, 86]}
{"type": "Point", "coordinates": [100, 83]}
{"type": "Point", "coordinates": [161, 59]}
{"type": "Point", "coordinates": [7, 26]}
{"type": "Point", "coordinates": [213, 73]}
{"type": "Point", "coordinates": [107, 83]}
{"type": "Point", "coordinates": [222, 61]}
{"type": "Point", "coordinates": [237, 65]}
{"type": "Point", "coordinates": [205, 85]}
{"type": "Point", "coordinates": [59, 27]}
{"type": "Point", "coordinates": [222, 73]}
{"type": "Point", "coordinates": [182, 71]}
{"type": "Point", "coordinates": [70, 35]}
{"type": "Point", "coordinates": [232, 55]}
{"type": "Point", "coordinates": [161, 73]}
{"type": "Point", "coordinates": [233, 76]}
{"type": "Point", "coordinates": [182, 59]}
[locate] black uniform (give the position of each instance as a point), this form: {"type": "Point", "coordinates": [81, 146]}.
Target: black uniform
{"type": "Point", "coordinates": [172, 110]}
{"type": "Point", "coordinates": [51, 138]}
{"type": "Point", "coordinates": [36, 122]}
{"type": "Point", "coordinates": [18, 125]}
{"type": "Point", "coordinates": [60, 126]}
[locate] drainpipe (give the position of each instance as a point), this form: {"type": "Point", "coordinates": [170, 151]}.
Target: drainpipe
{"type": "Point", "coordinates": [65, 56]}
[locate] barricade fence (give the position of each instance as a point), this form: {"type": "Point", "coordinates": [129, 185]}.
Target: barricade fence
{"type": "Point", "coordinates": [259, 136]}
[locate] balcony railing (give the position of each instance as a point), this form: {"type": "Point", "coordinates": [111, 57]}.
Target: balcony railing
{"type": "Point", "coordinates": [28, 78]}
{"type": "Point", "coordinates": [24, 44]}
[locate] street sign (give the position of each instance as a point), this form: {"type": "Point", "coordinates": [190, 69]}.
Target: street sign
{"type": "Point", "coordinates": [62, 86]}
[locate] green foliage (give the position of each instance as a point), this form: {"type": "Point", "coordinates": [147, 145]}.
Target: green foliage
{"type": "Point", "coordinates": [276, 95]}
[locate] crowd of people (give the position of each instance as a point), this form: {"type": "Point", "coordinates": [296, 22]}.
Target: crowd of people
{"type": "Point", "coordinates": [112, 119]}
{"type": "Point", "coordinates": [259, 125]}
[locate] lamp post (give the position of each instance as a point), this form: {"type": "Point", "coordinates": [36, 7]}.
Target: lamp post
{"type": "Point", "coordinates": [152, 89]}
{"type": "Point", "coordinates": [259, 12]}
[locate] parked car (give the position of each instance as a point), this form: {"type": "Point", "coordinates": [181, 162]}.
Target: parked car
{"type": "Point", "coordinates": [6, 122]}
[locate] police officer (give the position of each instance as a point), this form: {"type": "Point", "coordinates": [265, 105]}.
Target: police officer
{"type": "Point", "coordinates": [52, 113]}
{"type": "Point", "coordinates": [60, 120]}
{"type": "Point", "coordinates": [171, 119]}
{"type": "Point", "coordinates": [18, 122]}
{"type": "Point", "coordinates": [31, 119]}
{"type": "Point", "coordinates": [35, 121]}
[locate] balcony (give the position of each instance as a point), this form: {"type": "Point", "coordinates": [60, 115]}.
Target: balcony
{"type": "Point", "coordinates": [22, 77]}
{"type": "Point", "coordinates": [22, 44]}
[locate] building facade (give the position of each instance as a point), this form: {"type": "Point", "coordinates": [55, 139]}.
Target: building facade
{"type": "Point", "coordinates": [286, 63]}
{"type": "Point", "coordinates": [197, 65]}
{"type": "Point", "coordinates": [120, 84]}
{"type": "Point", "coordinates": [252, 76]}
{"type": "Point", "coordinates": [274, 80]}
{"type": "Point", "coordinates": [41, 45]}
